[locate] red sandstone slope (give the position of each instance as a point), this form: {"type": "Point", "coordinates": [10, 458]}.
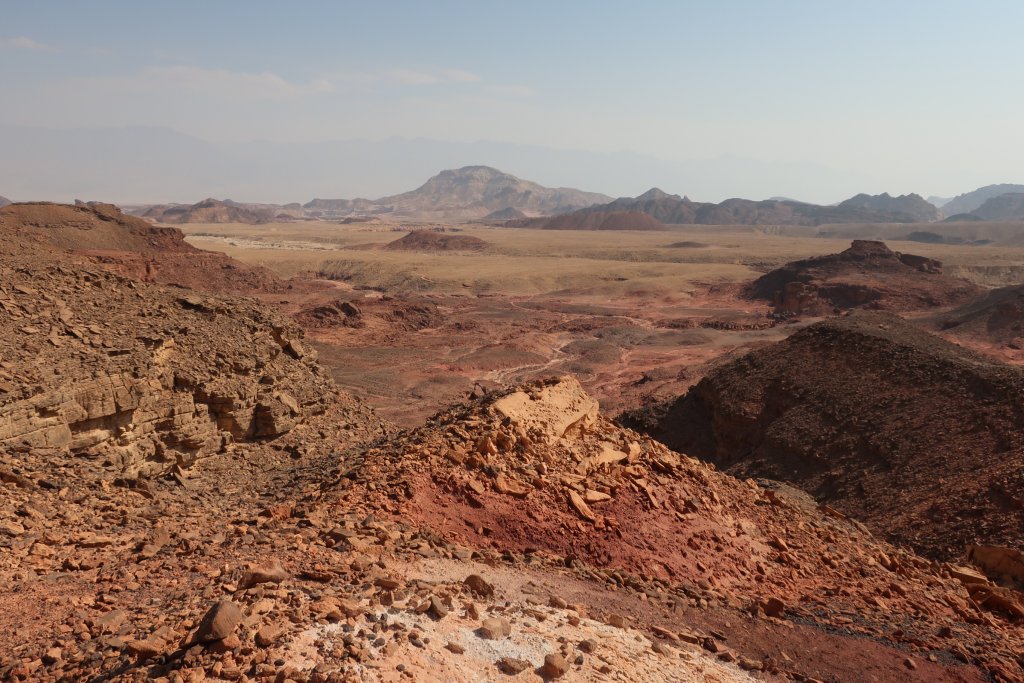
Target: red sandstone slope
{"type": "Point", "coordinates": [537, 470]}
{"type": "Point", "coordinates": [127, 245]}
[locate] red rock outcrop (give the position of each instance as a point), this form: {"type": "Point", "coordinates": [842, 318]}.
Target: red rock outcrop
{"type": "Point", "coordinates": [127, 245]}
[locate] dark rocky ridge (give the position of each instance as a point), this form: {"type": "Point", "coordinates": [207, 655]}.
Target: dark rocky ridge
{"type": "Point", "coordinates": [969, 201]}
{"type": "Point", "coordinates": [1005, 207]}
{"type": "Point", "coordinates": [429, 240]}
{"type": "Point", "coordinates": [593, 220]}
{"type": "Point", "coordinates": [995, 317]}
{"type": "Point", "coordinates": [867, 275]}
{"type": "Point", "coordinates": [673, 209]}
{"type": "Point", "coordinates": [915, 436]}
{"type": "Point", "coordinates": [210, 210]}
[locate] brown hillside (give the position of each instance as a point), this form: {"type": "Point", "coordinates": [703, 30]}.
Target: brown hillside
{"type": "Point", "coordinates": [429, 240]}
{"type": "Point", "coordinates": [593, 220]}
{"type": "Point", "coordinates": [919, 438]}
{"type": "Point", "coordinates": [128, 245]}
{"type": "Point", "coordinates": [867, 275]}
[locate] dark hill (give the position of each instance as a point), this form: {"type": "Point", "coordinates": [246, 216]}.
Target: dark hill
{"type": "Point", "coordinates": [969, 201]}
{"type": "Point", "coordinates": [911, 208]}
{"type": "Point", "coordinates": [593, 220]}
{"type": "Point", "coordinates": [209, 211]}
{"type": "Point", "coordinates": [428, 240]}
{"type": "Point", "coordinates": [867, 275]}
{"type": "Point", "coordinates": [1005, 207]}
{"type": "Point", "coordinates": [507, 214]}
{"type": "Point", "coordinates": [673, 209]}
{"type": "Point", "coordinates": [996, 317]}
{"type": "Point", "coordinates": [918, 438]}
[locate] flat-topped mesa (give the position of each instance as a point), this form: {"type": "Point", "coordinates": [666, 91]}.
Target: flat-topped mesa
{"type": "Point", "coordinates": [877, 252]}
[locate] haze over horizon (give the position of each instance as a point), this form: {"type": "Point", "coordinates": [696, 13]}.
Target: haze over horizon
{"type": "Point", "coordinates": [264, 103]}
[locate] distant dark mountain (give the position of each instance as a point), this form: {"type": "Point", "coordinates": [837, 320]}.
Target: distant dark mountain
{"type": "Point", "coordinates": [968, 202]}
{"type": "Point", "coordinates": [1004, 207]}
{"type": "Point", "coordinates": [962, 218]}
{"type": "Point", "coordinates": [4, 201]}
{"type": "Point", "coordinates": [673, 209]}
{"type": "Point", "coordinates": [209, 211]}
{"type": "Point", "coordinates": [506, 214]}
{"type": "Point", "coordinates": [912, 206]}
{"type": "Point", "coordinates": [467, 193]}
{"type": "Point", "coordinates": [593, 220]}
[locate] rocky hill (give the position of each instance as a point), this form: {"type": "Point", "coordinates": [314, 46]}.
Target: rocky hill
{"type": "Point", "coordinates": [969, 201]}
{"type": "Point", "coordinates": [673, 209]}
{"type": "Point", "coordinates": [128, 245]}
{"type": "Point", "coordinates": [915, 436]}
{"type": "Point", "coordinates": [907, 208]}
{"type": "Point", "coordinates": [148, 378]}
{"type": "Point", "coordinates": [429, 240]}
{"type": "Point", "coordinates": [506, 214]}
{"type": "Point", "coordinates": [536, 471]}
{"type": "Point", "coordinates": [467, 193]}
{"type": "Point", "coordinates": [593, 220]}
{"type": "Point", "coordinates": [867, 275]}
{"type": "Point", "coordinates": [995, 317]}
{"type": "Point", "coordinates": [213, 211]}
{"type": "Point", "coordinates": [1004, 207]}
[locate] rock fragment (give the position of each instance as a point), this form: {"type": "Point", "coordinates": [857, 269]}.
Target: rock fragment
{"type": "Point", "coordinates": [495, 628]}
{"type": "Point", "coordinates": [219, 622]}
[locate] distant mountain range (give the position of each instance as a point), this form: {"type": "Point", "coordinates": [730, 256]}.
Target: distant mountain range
{"type": "Point", "coordinates": [466, 193]}
{"type": "Point", "coordinates": [217, 211]}
{"type": "Point", "coordinates": [133, 165]}
{"type": "Point", "coordinates": [673, 209]}
{"type": "Point", "coordinates": [970, 201]}
{"type": "Point", "coordinates": [4, 201]}
{"type": "Point", "coordinates": [463, 194]}
{"type": "Point", "coordinates": [485, 193]}
{"type": "Point", "coordinates": [1003, 207]}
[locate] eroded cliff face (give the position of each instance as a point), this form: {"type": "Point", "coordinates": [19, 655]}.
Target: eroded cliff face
{"type": "Point", "coordinates": [146, 376]}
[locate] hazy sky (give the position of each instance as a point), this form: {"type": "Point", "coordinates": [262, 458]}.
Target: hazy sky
{"type": "Point", "coordinates": [909, 96]}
